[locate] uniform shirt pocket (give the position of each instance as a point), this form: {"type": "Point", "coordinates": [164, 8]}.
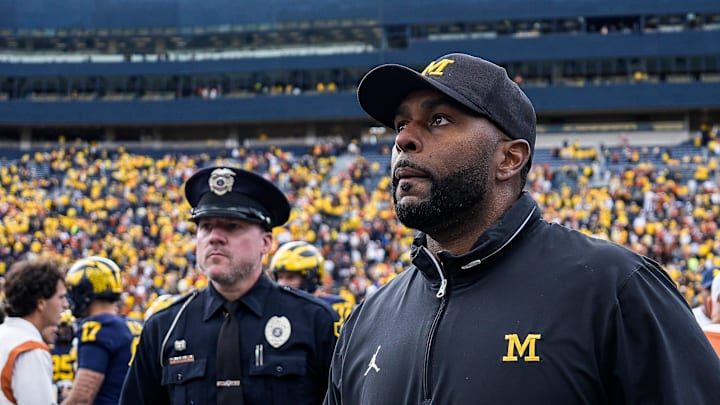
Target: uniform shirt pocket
{"type": "Point", "coordinates": [281, 379]}
{"type": "Point", "coordinates": [186, 382]}
{"type": "Point", "coordinates": [280, 366]}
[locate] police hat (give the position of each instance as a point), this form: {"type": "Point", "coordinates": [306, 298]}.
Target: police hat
{"type": "Point", "coordinates": [235, 193]}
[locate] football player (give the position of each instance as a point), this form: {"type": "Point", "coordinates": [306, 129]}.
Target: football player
{"type": "Point", "coordinates": [300, 265]}
{"type": "Point", "coordinates": [64, 355]}
{"type": "Point", "coordinates": [106, 340]}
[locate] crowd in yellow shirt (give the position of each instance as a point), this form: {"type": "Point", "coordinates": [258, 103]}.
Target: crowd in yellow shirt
{"type": "Point", "coordinates": [79, 200]}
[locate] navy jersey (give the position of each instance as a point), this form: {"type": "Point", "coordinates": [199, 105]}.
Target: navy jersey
{"type": "Point", "coordinates": [63, 358]}
{"type": "Point", "coordinates": [106, 344]}
{"type": "Point", "coordinates": [341, 307]}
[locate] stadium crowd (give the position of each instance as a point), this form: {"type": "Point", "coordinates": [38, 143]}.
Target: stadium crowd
{"type": "Point", "coordinates": [80, 200]}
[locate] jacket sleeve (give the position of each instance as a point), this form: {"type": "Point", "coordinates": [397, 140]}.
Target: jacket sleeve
{"type": "Point", "coordinates": [143, 384]}
{"type": "Point", "coordinates": [334, 391]}
{"type": "Point", "coordinates": [659, 352]}
{"type": "Point", "coordinates": [325, 322]}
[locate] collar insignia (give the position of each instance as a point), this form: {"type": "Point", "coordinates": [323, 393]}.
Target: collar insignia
{"type": "Point", "coordinates": [180, 345]}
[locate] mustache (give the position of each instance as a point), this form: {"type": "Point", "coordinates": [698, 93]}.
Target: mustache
{"type": "Point", "coordinates": [407, 164]}
{"type": "Point", "coordinates": [216, 251]}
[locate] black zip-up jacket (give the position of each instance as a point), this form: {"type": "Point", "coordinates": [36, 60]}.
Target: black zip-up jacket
{"type": "Point", "coordinates": [535, 313]}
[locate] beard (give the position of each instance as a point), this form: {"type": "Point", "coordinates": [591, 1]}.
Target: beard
{"type": "Point", "coordinates": [239, 272]}
{"type": "Point", "coordinates": [450, 198]}
{"type": "Point", "coordinates": [230, 279]}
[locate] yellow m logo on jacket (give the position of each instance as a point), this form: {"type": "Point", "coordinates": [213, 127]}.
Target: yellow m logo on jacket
{"type": "Point", "coordinates": [514, 346]}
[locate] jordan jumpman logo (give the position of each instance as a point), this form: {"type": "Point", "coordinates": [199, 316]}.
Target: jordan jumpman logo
{"type": "Point", "coordinates": [372, 364]}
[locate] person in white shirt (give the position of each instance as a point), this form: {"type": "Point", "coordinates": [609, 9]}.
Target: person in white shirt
{"type": "Point", "coordinates": [35, 299]}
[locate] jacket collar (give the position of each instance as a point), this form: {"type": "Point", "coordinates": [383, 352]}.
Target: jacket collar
{"type": "Point", "coordinates": [254, 300]}
{"type": "Point", "coordinates": [522, 213]}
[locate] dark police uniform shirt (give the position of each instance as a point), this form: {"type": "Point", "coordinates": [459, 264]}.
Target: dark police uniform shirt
{"type": "Point", "coordinates": [105, 345]}
{"type": "Point", "coordinates": [286, 347]}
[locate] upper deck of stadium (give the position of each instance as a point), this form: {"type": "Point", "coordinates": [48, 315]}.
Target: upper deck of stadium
{"type": "Point", "coordinates": [179, 14]}
{"type": "Point", "coordinates": [160, 63]}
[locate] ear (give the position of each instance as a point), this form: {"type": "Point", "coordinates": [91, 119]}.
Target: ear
{"type": "Point", "coordinates": [515, 156]}
{"type": "Point", "coordinates": [267, 241]}
{"type": "Point", "coordinates": [41, 304]}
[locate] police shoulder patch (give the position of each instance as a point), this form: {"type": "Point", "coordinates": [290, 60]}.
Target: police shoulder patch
{"type": "Point", "coordinates": [173, 302]}
{"type": "Point", "coordinates": [183, 297]}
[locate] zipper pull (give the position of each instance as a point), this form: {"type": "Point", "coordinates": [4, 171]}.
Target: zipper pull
{"type": "Point", "coordinates": [443, 287]}
{"type": "Point", "coordinates": [438, 267]}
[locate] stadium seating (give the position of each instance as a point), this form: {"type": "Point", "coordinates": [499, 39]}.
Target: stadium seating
{"type": "Point", "coordinates": [150, 97]}
{"type": "Point", "coordinates": [80, 199]}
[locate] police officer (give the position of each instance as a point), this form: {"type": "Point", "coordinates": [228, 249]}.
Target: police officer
{"type": "Point", "coordinates": [186, 353]}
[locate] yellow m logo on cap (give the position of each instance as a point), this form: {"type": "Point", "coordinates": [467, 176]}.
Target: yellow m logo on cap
{"type": "Point", "coordinates": [436, 68]}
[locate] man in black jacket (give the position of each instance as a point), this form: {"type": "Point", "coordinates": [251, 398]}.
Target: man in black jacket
{"type": "Point", "coordinates": [499, 306]}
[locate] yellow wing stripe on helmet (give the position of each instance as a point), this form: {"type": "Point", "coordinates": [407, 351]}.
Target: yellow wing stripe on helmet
{"type": "Point", "coordinates": [297, 257]}
{"type": "Point", "coordinates": [67, 318]}
{"type": "Point", "coordinates": [103, 275]}
{"type": "Point", "coordinates": [98, 276]}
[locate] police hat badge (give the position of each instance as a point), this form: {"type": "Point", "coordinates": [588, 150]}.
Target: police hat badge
{"type": "Point", "coordinates": [221, 180]}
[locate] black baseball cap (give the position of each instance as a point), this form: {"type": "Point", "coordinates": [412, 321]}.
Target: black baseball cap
{"type": "Point", "coordinates": [235, 193]}
{"type": "Point", "coordinates": [475, 83]}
